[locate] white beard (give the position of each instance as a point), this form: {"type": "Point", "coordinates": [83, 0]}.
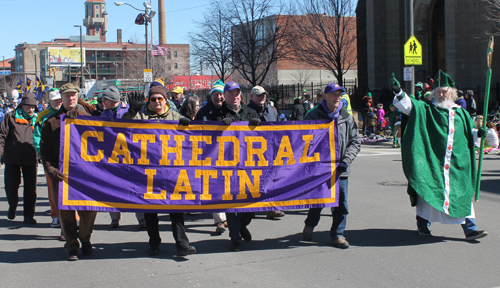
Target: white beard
{"type": "Point", "coordinates": [445, 104]}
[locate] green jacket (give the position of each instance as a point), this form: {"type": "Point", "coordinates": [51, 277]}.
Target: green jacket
{"type": "Point", "coordinates": [37, 132]}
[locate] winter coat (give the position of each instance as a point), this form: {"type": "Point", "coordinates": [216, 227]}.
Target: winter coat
{"type": "Point", "coordinates": [380, 115]}
{"type": "Point", "coordinates": [371, 119]}
{"type": "Point", "coordinates": [298, 112]}
{"type": "Point", "coordinates": [266, 113]}
{"type": "Point", "coordinates": [148, 114]}
{"type": "Point", "coordinates": [244, 114]}
{"type": "Point", "coordinates": [118, 113]}
{"type": "Point", "coordinates": [209, 113]}
{"type": "Point", "coordinates": [16, 141]}
{"type": "Point", "coordinates": [50, 137]}
{"type": "Point", "coordinates": [348, 138]}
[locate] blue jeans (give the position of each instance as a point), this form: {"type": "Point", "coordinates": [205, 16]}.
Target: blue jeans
{"type": "Point", "coordinates": [339, 213]}
{"type": "Point", "coordinates": [468, 227]}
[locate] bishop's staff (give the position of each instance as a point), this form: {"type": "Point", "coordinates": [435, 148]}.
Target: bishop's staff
{"type": "Point", "coordinates": [489, 55]}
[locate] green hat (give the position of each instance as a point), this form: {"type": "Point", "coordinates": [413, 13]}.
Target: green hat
{"type": "Point", "coordinates": [419, 84]}
{"type": "Point", "coordinates": [443, 80]}
{"type": "Point", "coordinates": [393, 81]}
{"type": "Point", "coordinates": [369, 95]}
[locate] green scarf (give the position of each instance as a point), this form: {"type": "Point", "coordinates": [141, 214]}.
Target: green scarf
{"type": "Point", "coordinates": [22, 117]}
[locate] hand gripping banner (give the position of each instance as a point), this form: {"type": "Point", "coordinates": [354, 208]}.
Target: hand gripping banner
{"type": "Point", "coordinates": [160, 166]}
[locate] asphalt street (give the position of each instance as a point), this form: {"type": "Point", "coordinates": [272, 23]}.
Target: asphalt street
{"type": "Point", "coordinates": [385, 251]}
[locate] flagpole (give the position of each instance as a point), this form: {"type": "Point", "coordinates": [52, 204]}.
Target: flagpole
{"type": "Point", "coordinates": [489, 54]}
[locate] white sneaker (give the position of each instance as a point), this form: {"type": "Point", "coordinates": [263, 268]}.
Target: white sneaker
{"type": "Point", "coordinates": [55, 223]}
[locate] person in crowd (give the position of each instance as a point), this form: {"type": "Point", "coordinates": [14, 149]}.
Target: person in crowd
{"type": "Point", "coordinates": [190, 107]}
{"type": "Point", "coordinates": [380, 118]}
{"type": "Point", "coordinates": [367, 104]}
{"type": "Point", "coordinates": [258, 97]}
{"type": "Point", "coordinates": [371, 122]}
{"type": "Point", "coordinates": [178, 96]}
{"type": "Point", "coordinates": [114, 108]}
{"type": "Point", "coordinates": [212, 111]}
{"type": "Point", "coordinates": [49, 152]}
{"type": "Point", "coordinates": [157, 107]}
{"type": "Point", "coordinates": [19, 155]}
{"type": "Point", "coordinates": [234, 110]}
{"type": "Point", "coordinates": [461, 101]}
{"type": "Point", "coordinates": [308, 105]}
{"type": "Point", "coordinates": [298, 111]}
{"type": "Point", "coordinates": [55, 103]}
{"type": "Point", "coordinates": [349, 144]}
{"type": "Point", "coordinates": [442, 186]}
{"type": "Point", "coordinates": [394, 117]}
{"type": "Point", "coordinates": [470, 103]}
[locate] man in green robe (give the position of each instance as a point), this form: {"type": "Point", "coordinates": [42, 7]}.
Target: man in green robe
{"type": "Point", "coordinates": [439, 158]}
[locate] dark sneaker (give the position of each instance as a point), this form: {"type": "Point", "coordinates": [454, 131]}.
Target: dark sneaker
{"type": "Point", "coordinates": [476, 235]}
{"type": "Point", "coordinates": [72, 255]}
{"type": "Point", "coordinates": [142, 224]}
{"type": "Point", "coordinates": [29, 220]}
{"type": "Point", "coordinates": [274, 214]}
{"type": "Point", "coordinates": [87, 248]}
{"type": "Point", "coordinates": [245, 234]}
{"type": "Point", "coordinates": [114, 224]}
{"type": "Point", "coordinates": [186, 251]}
{"type": "Point", "coordinates": [424, 231]}
{"type": "Point", "coordinates": [11, 215]}
{"type": "Point", "coordinates": [340, 242]}
{"type": "Point", "coordinates": [235, 246]}
{"type": "Point", "coordinates": [154, 250]}
{"type": "Point", "coordinates": [307, 233]}
{"type": "Point", "coordinates": [221, 228]}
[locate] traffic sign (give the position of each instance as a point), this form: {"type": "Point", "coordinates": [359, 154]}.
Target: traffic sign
{"type": "Point", "coordinates": [408, 73]}
{"type": "Point", "coordinates": [148, 75]}
{"type": "Point", "coordinates": [413, 51]}
{"type": "Point", "coordinates": [5, 72]}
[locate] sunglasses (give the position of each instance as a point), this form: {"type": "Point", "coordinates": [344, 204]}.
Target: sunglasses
{"type": "Point", "coordinates": [159, 99]}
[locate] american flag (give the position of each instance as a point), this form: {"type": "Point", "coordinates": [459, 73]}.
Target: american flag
{"type": "Point", "coordinates": [157, 50]}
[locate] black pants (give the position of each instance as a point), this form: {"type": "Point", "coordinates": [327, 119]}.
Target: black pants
{"type": "Point", "coordinates": [181, 240]}
{"type": "Point", "coordinates": [237, 221]}
{"type": "Point", "coordinates": [12, 178]}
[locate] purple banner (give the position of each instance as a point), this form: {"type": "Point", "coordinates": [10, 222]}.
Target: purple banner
{"type": "Point", "coordinates": [160, 166]}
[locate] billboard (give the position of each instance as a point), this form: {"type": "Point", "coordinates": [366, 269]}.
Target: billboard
{"type": "Point", "coordinates": [65, 56]}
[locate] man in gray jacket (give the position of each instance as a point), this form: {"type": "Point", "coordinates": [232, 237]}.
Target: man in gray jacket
{"type": "Point", "coordinates": [349, 146]}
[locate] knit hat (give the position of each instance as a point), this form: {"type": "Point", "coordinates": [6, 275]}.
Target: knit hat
{"type": "Point", "coordinates": [217, 87]}
{"type": "Point", "coordinates": [332, 87]}
{"type": "Point", "coordinates": [158, 82]}
{"type": "Point", "coordinates": [14, 94]}
{"type": "Point", "coordinates": [419, 84]}
{"type": "Point", "coordinates": [158, 90]}
{"type": "Point", "coordinates": [178, 89]}
{"type": "Point", "coordinates": [443, 80]}
{"type": "Point", "coordinates": [112, 94]}
{"type": "Point", "coordinates": [369, 95]}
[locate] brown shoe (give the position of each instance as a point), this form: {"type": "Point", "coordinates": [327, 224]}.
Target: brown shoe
{"type": "Point", "coordinates": [274, 214]}
{"type": "Point", "coordinates": [340, 242]}
{"type": "Point", "coordinates": [220, 228]}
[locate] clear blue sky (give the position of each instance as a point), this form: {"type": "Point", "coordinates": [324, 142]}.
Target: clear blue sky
{"type": "Point", "coordinates": [34, 21]}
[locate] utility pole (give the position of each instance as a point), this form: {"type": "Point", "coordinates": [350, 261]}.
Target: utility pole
{"type": "Point", "coordinates": [409, 31]}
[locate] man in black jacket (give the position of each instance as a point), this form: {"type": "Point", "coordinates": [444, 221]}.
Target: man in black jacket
{"type": "Point", "coordinates": [234, 110]}
{"type": "Point", "coordinates": [258, 103]}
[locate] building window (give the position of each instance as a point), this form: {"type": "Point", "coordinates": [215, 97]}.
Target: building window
{"type": "Point", "coordinates": [175, 53]}
{"type": "Point", "coordinates": [96, 15]}
{"type": "Point", "coordinates": [107, 54]}
{"type": "Point", "coordinates": [117, 54]}
{"type": "Point", "coordinates": [168, 55]}
{"type": "Point", "coordinates": [96, 7]}
{"type": "Point", "coordinates": [175, 65]}
{"type": "Point", "coordinates": [92, 55]}
{"type": "Point", "coordinates": [103, 55]}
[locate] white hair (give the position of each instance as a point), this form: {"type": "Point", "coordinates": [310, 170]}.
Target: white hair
{"type": "Point", "coordinates": [451, 90]}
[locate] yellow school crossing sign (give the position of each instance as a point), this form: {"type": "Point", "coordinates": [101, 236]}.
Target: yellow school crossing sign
{"type": "Point", "coordinates": [413, 51]}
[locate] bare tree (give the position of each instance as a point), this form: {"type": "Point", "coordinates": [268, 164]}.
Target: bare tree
{"type": "Point", "coordinates": [326, 35]}
{"type": "Point", "coordinates": [211, 46]}
{"type": "Point", "coordinates": [258, 40]}
{"type": "Point", "coordinates": [302, 76]}
{"type": "Point", "coordinates": [493, 13]}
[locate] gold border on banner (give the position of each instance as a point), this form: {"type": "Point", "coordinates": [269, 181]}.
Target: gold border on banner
{"type": "Point", "coordinates": [103, 204]}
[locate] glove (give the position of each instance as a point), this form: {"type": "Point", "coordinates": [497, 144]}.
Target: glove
{"type": "Point", "coordinates": [184, 121]}
{"type": "Point", "coordinates": [393, 81]}
{"type": "Point", "coordinates": [254, 122]}
{"type": "Point", "coordinates": [227, 121]}
{"type": "Point", "coordinates": [342, 167]}
{"type": "Point", "coordinates": [55, 174]}
{"type": "Point", "coordinates": [135, 101]}
{"type": "Point", "coordinates": [482, 132]}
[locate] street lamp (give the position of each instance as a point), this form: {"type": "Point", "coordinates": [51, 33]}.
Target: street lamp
{"type": "Point", "coordinates": [81, 57]}
{"type": "Point", "coordinates": [147, 16]}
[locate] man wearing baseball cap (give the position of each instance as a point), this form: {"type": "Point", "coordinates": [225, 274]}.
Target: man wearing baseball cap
{"type": "Point", "coordinates": [55, 103]}
{"type": "Point", "coordinates": [349, 144]}
{"type": "Point", "coordinates": [178, 96]}
{"type": "Point", "coordinates": [258, 102]}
